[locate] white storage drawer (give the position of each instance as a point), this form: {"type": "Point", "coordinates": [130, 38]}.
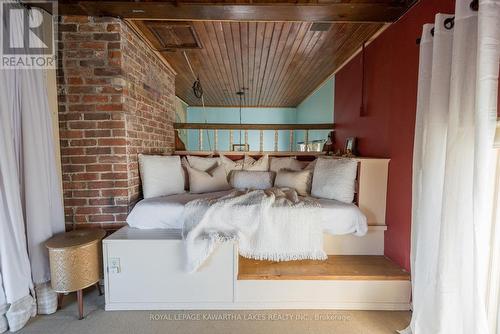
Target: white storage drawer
{"type": "Point", "coordinates": [152, 271]}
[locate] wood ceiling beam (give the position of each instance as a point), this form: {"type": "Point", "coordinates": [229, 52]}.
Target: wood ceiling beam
{"type": "Point", "coordinates": [375, 11]}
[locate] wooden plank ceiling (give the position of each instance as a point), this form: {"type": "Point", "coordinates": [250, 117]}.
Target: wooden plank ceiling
{"type": "Point", "coordinates": [278, 64]}
{"type": "Point", "coordinates": [264, 46]}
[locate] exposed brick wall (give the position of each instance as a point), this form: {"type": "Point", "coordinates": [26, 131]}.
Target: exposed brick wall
{"type": "Point", "coordinates": [150, 92]}
{"type": "Point", "coordinates": [108, 113]}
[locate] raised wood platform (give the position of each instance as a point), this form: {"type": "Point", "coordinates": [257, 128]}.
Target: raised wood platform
{"type": "Point", "coordinates": [337, 267]}
{"type": "Point", "coordinates": [343, 282]}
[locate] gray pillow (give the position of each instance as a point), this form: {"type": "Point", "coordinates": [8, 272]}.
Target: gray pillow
{"type": "Point", "coordinates": [335, 179]}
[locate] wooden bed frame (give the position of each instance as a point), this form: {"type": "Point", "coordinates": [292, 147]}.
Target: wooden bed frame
{"type": "Point", "coordinates": [144, 269]}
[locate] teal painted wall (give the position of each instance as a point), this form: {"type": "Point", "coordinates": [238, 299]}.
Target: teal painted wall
{"type": "Point", "coordinates": [317, 108]}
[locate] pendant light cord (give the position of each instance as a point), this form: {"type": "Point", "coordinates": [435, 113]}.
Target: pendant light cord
{"type": "Point", "coordinates": [241, 97]}
{"type": "Point", "coordinates": [197, 83]}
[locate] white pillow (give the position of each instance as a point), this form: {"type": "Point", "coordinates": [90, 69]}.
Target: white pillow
{"type": "Point", "coordinates": [288, 163]}
{"type": "Point", "coordinates": [202, 163]}
{"type": "Point", "coordinates": [298, 180]}
{"type": "Point", "coordinates": [261, 165]}
{"type": "Point", "coordinates": [231, 165]}
{"type": "Point", "coordinates": [242, 179]}
{"type": "Point", "coordinates": [335, 179]}
{"type": "Point", "coordinates": [161, 175]}
{"type": "Point", "coordinates": [204, 182]}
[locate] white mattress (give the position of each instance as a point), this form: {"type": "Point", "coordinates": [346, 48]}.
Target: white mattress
{"type": "Point", "coordinates": [166, 212]}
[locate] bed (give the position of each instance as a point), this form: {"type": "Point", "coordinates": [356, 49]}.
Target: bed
{"type": "Point", "coordinates": [165, 212]}
{"type": "Point", "coordinates": [154, 236]}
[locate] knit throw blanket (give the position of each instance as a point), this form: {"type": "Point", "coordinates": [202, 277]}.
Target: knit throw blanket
{"type": "Point", "coordinates": [273, 224]}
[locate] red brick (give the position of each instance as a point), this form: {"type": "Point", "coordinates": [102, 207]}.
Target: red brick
{"type": "Point", "coordinates": [100, 185]}
{"type": "Point", "coordinates": [81, 90]}
{"type": "Point", "coordinates": [119, 150]}
{"type": "Point", "coordinates": [112, 37]}
{"type": "Point", "coordinates": [75, 201]}
{"type": "Point", "coordinates": [102, 201]}
{"type": "Point", "coordinates": [73, 168]}
{"type": "Point", "coordinates": [83, 142]}
{"type": "Point", "coordinates": [83, 159]}
{"type": "Point", "coordinates": [101, 218]}
{"type": "Point", "coordinates": [74, 185]}
{"type": "Point", "coordinates": [72, 151]}
{"type": "Point", "coordinates": [97, 133]}
{"type": "Point", "coordinates": [88, 210]}
{"type": "Point", "coordinates": [75, 19]}
{"type": "Point", "coordinates": [82, 125]}
{"type": "Point", "coordinates": [111, 125]}
{"type": "Point", "coordinates": [114, 176]}
{"type": "Point", "coordinates": [80, 219]}
{"type": "Point", "coordinates": [84, 177]}
{"type": "Point", "coordinates": [95, 98]}
{"type": "Point", "coordinates": [86, 193]}
{"type": "Point", "coordinates": [95, 116]}
{"type": "Point", "coordinates": [75, 81]}
{"type": "Point", "coordinates": [119, 133]}
{"type": "Point", "coordinates": [82, 107]}
{"type": "Point", "coordinates": [115, 209]}
{"type": "Point", "coordinates": [121, 184]}
{"type": "Point", "coordinates": [89, 28]}
{"type": "Point", "coordinates": [93, 45]}
{"type": "Point", "coordinates": [70, 134]}
{"type": "Point", "coordinates": [114, 192]}
{"type": "Point", "coordinates": [109, 107]}
{"type": "Point", "coordinates": [119, 167]}
{"type": "Point", "coordinates": [99, 168]}
{"type": "Point", "coordinates": [112, 142]}
{"type": "Point", "coordinates": [97, 150]}
{"type": "Point", "coordinates": [121, 217]}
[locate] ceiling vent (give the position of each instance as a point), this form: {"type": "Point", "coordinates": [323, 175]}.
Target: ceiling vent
{"type": "Point", "coordinates": [171, 36]}
{"type": "Point", "coordinates": [320, 26]}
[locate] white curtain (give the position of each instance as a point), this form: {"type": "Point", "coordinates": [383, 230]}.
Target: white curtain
{"type": "Point", "coordinates": [31, 209]}
{"type": "Point", "coordinates": [454, 168]}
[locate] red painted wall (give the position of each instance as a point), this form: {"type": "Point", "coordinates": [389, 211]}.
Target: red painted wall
{"type": "Point", "coordinates": [386, 128]}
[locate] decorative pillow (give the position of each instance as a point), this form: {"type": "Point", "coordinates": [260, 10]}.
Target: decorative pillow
{"type": "Point", "coordinates": [231, 165]}
{"type": "Point", "coordinates": [335, 179]}
{"type": "Point", "coordinates": [261, 165]}
{"type": "Point", "coordinates": [242, 179]}
{"type": "Point", "coordinates": [161, 175]}
{"type": "Point", "coordinates": [202, 163]}
{"type": "Point", "coordinates": [298, 180]}
{"type": "Point", "coordinates": [209, 181]}
{"type": "Point", "coordinates": [289, 163]}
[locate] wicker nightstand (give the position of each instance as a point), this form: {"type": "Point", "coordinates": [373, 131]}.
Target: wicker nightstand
{"type": "Point", "coordinates": [75, 262]}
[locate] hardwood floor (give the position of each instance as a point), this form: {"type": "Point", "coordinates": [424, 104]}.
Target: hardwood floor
{"type": "Point", "coordinates": [337, 267]}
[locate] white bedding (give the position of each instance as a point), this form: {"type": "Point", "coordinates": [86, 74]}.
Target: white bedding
{"type": "Point", "coordinates": [166, 212]}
